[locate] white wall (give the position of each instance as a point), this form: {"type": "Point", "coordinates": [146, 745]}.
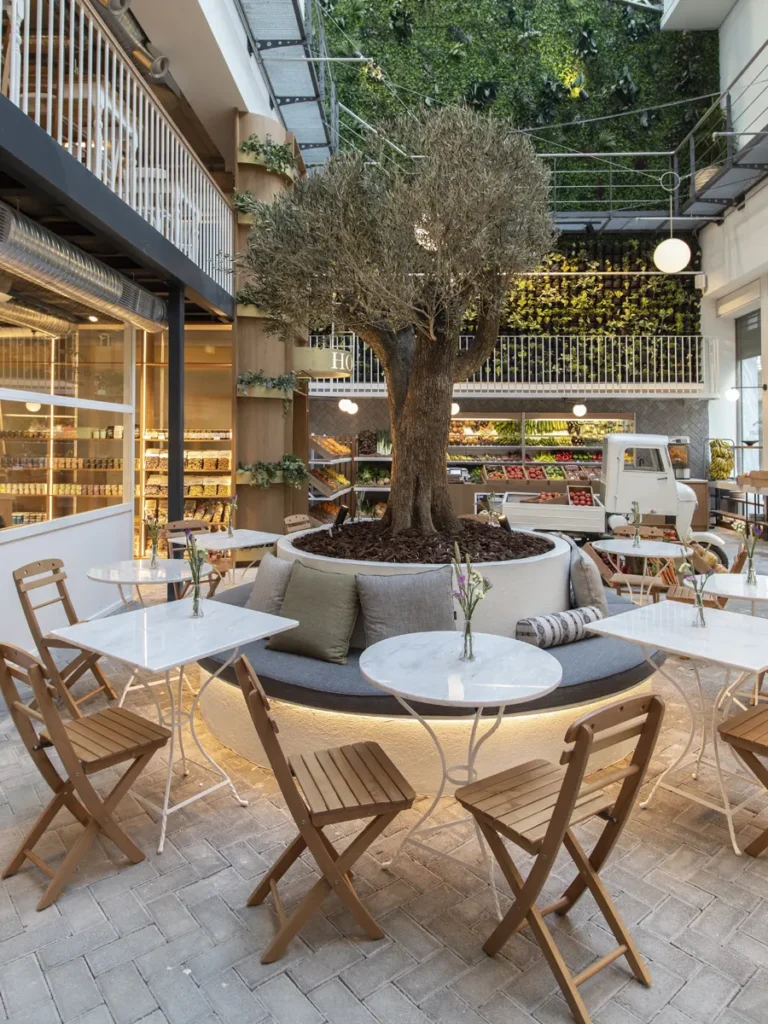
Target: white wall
{"type": "Point", "coordinates": [742, 34]}
{"type": "Point", "coordinates": [208, 48]}
{"type": "Point", "coordinates": [81, 542]}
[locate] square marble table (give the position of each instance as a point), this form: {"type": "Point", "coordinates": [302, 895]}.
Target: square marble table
{"type": "Point", "coordinates": [166, 637]}
{"type": "Point", "coordinates": [736, 643]}
{"type": "Point", "coordinates": [239, 541]}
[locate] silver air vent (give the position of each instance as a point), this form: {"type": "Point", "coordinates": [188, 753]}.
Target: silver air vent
{"type": "Point", "coordinates": [29, 251]}
{"type": "Point", "coordinates": [54, 326]}
{"type": "Point", "coordinates": [129, 35]}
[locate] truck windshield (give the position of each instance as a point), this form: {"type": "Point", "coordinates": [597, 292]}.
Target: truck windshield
{"type": "Point", "coordinates": [644, 460]}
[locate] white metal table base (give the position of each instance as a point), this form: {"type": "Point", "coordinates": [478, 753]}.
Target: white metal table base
{"type": "Point", "coordinates": [727, 694]}
{"type": "Point", "coordinates": [175, 721]}
{"type": "Point", "coordinates": [469, 774]}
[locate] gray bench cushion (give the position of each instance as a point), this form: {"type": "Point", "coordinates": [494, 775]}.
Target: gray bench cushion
{"type": "Point", "coordinates": [592, 668]}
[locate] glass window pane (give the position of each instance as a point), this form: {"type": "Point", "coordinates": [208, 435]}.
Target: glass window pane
{"type": "Point", "coordinates": [24, 449]}
{"type": "Point", "coordinates": [87, 364]}
{"type": "Point", "coordinates": [643, 460]}
{"type": "Point", "coordinates": [86, 460]}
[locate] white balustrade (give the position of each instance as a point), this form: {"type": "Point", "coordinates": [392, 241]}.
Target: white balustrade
{"type": "Point", "coordinates": [61, 65]}
{"type": "Point", "coordinates": [676, 366]}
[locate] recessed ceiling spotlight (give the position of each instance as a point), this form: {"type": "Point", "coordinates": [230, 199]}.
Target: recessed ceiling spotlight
{"type": "Point", "coordinates": [33, 406]}
{"type": "Point", "coordinates": [579, 409]}
{"type": "Point", "coordinates": [93, 319]}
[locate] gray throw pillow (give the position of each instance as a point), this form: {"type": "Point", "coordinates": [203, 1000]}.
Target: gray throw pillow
{"type": "Point", "coordinates": [586, 582]}
{"type": "Point", "coordinates": [325, 605]}
{"type": "Point", "coordinates": [559, 628]}
{"type": "Point", "coordinates": [419, 602]}
{"type": "Point", "coordinates": [270, 584]}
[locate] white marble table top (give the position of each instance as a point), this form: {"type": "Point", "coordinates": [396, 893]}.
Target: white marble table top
{"type": "Point", "coordinates": [734, 584]}
{"type": "Point", "coordinates": [426, 667]}
{"type": "Point", "coordinates": [239, 539]}
{"type": "Point", "coordinates": [166, 636]}
{"type": "Point", "coordinates": [735, 641]}
{"type": "Point", "coordinates": [137, 572]}
{"type": "Point", "coordinates": [647, 548]}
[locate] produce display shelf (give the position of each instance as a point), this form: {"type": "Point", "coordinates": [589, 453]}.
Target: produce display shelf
{"type": "Point", "coordinates": [330, 497]}
{"type": "Point", "coordinates": [505, 447]}
{"type": "Point", "coordinates": [564, 447]}
{"type": "Point", "coordinates": [330, 462]}
{"type": "Point", "coordinates": [359, 488]}
{"type": "Point", "coordinates": [373, 458]}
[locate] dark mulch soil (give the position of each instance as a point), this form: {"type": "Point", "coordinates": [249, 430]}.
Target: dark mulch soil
{"type": "Point", "coordinates": [368, 542]}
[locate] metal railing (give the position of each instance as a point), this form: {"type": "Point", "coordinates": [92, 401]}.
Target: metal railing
{"type": "Point", "coordinates": [608, 183]}
{"type": "Point", "coordinates": [674, 366]}
{"type": "Point", "coordinates": [63, 67]}
{"type": "Point", "coordinates": [34, 363]}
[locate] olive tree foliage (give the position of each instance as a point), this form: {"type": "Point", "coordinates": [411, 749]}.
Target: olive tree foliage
{"type": "Point", "coordinates": [396, 249]}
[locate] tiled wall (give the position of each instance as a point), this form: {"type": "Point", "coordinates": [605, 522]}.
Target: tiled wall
{"type": "Point", "coordinates": [673, 417]}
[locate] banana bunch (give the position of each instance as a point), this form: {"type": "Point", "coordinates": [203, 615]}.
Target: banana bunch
{"type": "Point", "coordinates": [545, 426]}
{"type": "Point", "coordinates": [721, 462]}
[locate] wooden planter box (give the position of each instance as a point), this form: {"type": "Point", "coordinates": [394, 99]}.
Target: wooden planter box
{"type": "Point", "coordinates": [256, 160]}
{"type": "Point", "coordinates": [259, 391]}
{"type": "Point", "coordinates": [243, 477]}
{"type": "Point", "coordinates": [245, 218]}
{"type": "Point", "coordinates": [322, 362]}
{"type": "Point", "coordinates": [248, 309]}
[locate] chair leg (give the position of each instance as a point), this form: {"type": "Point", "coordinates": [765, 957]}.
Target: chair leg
{"type": "Point", "coordinates": [333, 880]}
{"type": "Point", "coordinates": [68, 866]}
{"type": "Point", "coordinates": [289, 855]}
{"type": "Point", "coordinates": [538, 926]}
{"type": "Point", "coordinates": [758, 769]}
{"type": "Point", "coordinates": [607, 908]}
{"type": "Point", "coordinates": [60, 799]}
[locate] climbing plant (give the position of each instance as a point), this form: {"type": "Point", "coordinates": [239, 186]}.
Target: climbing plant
{"type": "Point", "coordinates": [539, 61]}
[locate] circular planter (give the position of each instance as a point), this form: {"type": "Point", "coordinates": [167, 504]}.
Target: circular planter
{"type": "Point", "coordinates": [322, 362]}
{"type": "Point", "coordinates": [527, 586]}
{"type": "Point", "coordinates": [259, 391]}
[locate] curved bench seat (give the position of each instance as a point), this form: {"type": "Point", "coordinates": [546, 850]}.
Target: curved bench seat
{"type": "Point", "coordinates": [594, 668]}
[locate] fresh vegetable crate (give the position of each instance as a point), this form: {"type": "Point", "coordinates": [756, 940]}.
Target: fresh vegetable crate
{"type": "Point", "coordinates": [554, 516]}
{"type": "Point", "coordinates": [322, 486]}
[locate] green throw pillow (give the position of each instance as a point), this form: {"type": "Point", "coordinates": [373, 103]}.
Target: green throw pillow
{"type": "Point", "coordinates": [325, 605]}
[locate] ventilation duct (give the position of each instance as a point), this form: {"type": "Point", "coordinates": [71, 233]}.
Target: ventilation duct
{"type": "Point", "coordinates": [29, 251]}
{"type": "Point", "coordinates": [24, 316]}
{"type": "Point", "coordinates": [119, 18]}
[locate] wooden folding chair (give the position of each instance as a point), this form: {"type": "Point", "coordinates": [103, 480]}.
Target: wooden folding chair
{"type": "Point", "coordinates": [747, 735]}
{"type": "Point", "coordinates": [47, 573]}
{"type": "Point", "coordinates": [86, 745]}
{"type": "Point", "coordinates": [293, 524]}
{"type": "Point", "coordinates": [619, 581]}
{"type": "Point", "coordinates": [685, 595]}
{"type": "Point", "coordinates": [220, 563]}
{"type": "Point", "coordinates": [323, 788]}
{"type": "Point", "coordinates": [535, 805]}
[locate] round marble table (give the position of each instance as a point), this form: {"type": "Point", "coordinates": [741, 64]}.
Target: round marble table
{"type": "Point", "coordinates": [626, 547]}
{"type": "Point", "coordinates": [427, 668]}
{"type": "Point", "coordinates": [138, 572]}
{"type": "Point", "coordinates": [734, 586]}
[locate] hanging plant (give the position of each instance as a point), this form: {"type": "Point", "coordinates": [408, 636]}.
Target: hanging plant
{"type": "Point", "coordinates": [290, 470]}
{"type": "Point", "coordinates": [586, 46]}
{"type": "Point", "coordinates": [245, 202]}
{"type": "Point", "coordinates": [278, 157]}
{"type": "Point", "coordinates": [286, 383]}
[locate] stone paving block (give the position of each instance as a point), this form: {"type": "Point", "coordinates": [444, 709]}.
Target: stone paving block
{"type": "Point", "coordinates": [41, 1013]}
{"type": "Point", "coordinates": [647, 1002]}
{"type": "Point", "coordinates": [286, 1003]}
{"type": "Point", "coordinates": [73, 989]}
{"type": "Point", "coordinates": [22, 985]}
{"type": "Point", "coordinates": [339, 1006]}
{"type": "Point", "coordinates": [174, 953]}
{"type": "Point", "coordinates": [121, 951]}
{"type": "Point", "coordinates": [178, 997]}
{"type": "Point", "coordinates": [411, 936]}
{"type": "Point", "coordinates": [376, 970]}
{"type": "Point", "coordinates": [232, 1000]}
{"type": "Point", "coordinates": [124, 912]}
{"type": "Point", "coordinates": [477, 984]}
{"type": "Point", "coordinates": [98, 1015]}
{"type": "Point", "coordinates": [326, 963]}
{"type": "Point", "coordinates": [80, 910]}
{"type": "Point", "coordinates": [670, 918]}
{"type": "Point", "coordinates": [427, 977]}
{"type": "Point", "coordinates": [126, 994]}
{"type": "Point", "coordinates": [171, 916]}
{"type": "Point", "coordinates": [446, 1008]}
{"type": "Point", "coordinates": [752, 1001]}
{"type": "Point", "coordinates": [705, 995]}
{"type": "Point", "coordinates": [389, 1005]}
{"type": "Point", "coordinates": [720, 957]}
{"type": "Point", "coordinates": [222, 956]}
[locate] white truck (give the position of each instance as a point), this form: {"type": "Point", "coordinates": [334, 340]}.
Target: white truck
{"type": "Point", "coordinates": [635, 467]}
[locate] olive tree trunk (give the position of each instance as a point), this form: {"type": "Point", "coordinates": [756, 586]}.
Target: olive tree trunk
{"type": "Point", "coordinates": [420, 392]}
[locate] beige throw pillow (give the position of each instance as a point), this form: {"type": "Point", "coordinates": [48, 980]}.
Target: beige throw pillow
{"type": "Point", "coordinates": [325, 605]}
{"type": "Point", "coordinates": [270, 585]}
{"type": "Point", "coordinates": [586, 582]}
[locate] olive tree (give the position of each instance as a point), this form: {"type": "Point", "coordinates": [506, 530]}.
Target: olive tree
{"type": "Point", "coordinates": [396, 248]}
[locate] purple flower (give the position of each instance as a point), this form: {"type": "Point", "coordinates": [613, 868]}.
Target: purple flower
{"type": "Point", "coordinates": [187, 534]}
{"type": "Point", "coordinates": [461, 579]}
{"type": "Point", "coordinates": [487, 583]}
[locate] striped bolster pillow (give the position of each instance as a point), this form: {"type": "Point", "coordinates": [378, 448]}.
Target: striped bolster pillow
{"type": "Point", "coordinates": [559, 628]}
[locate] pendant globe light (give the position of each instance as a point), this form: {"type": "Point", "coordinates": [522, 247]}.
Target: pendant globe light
{"type": "Point", "coordinates": [673, 254]}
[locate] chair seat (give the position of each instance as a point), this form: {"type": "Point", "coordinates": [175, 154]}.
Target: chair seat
{"type": "Point", "coordinates": [114, 735]}
{"type": "Point", "coordinates": [747, 731]}
{"type": "Point", "coordinates": [686, 596]}
{"type": "Point", "coordinates": [520, 801]}
{"type": "Point", "coordinates": [355, 781]}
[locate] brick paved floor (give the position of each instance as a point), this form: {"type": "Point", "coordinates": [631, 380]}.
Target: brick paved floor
{"type": "Point", "coordinates": [171, 939]}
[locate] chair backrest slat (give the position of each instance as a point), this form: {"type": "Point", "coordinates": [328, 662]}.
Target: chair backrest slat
{"type": "Point", "coordinates": [636, 718]}
{"type": "Point", "coordinates": [266, 728]}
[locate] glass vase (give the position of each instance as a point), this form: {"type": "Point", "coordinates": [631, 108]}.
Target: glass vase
{"type": "Point", "coordinates": [230, 525]}
{"type": "Point", "coordinates": [636, 538]}
{"type": "Point", "coordinates": [153, 558]}
{"type": "Point", "coordinates": [197, 604]}
{"type": "Point", "coordinates": [698, 612]}
{"type": "Point", "coordinates": [751, 574]}
{"type": "Point", "coordinates": [468, 642]}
